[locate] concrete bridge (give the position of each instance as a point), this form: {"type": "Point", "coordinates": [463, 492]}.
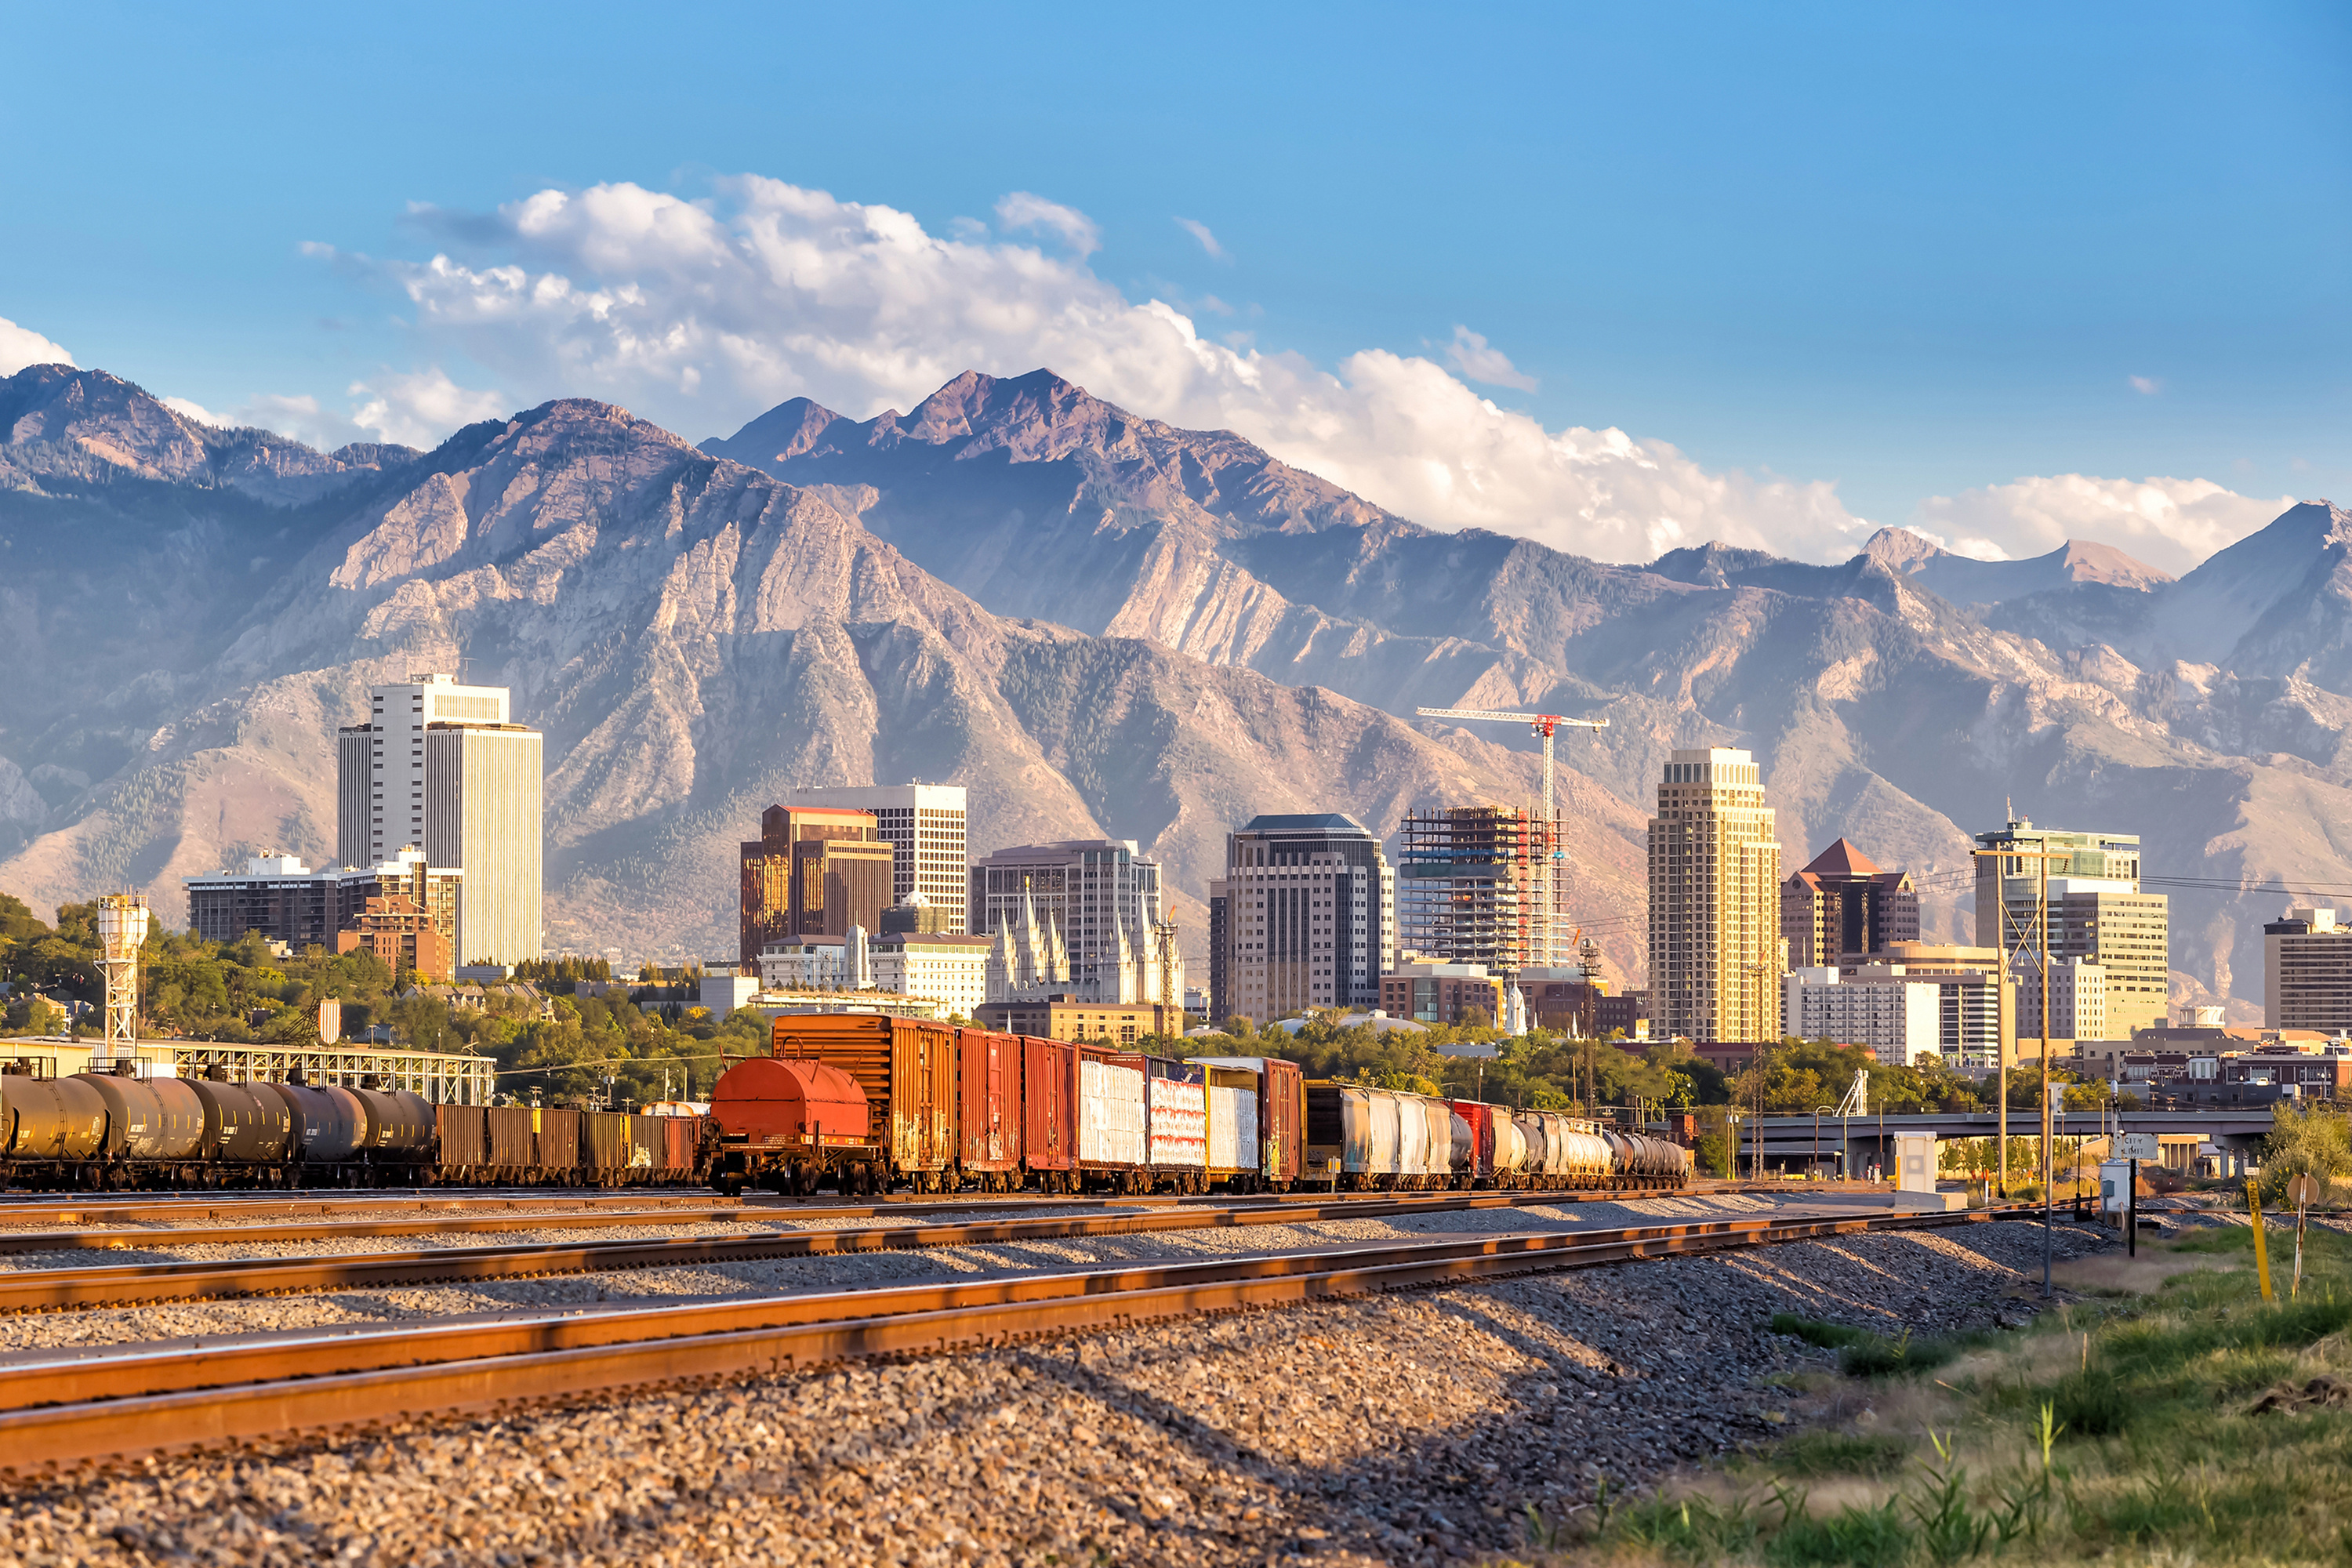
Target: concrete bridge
{"type": "Point", "coordinates": [1798, 1141]}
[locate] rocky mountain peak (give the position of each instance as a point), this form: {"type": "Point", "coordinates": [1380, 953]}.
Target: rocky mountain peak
{"type": "Point", "coordinates": [103, 415]}
{"type": "Point", "coordinates": [1901, 551]}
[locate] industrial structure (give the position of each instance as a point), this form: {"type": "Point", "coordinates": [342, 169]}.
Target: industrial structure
{"type": "Point", "coordinates": [123, 920]}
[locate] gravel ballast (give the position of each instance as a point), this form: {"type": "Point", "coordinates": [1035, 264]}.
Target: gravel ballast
{"type": "Point", "coordinates": [1413, 1427]}
{"type": "Point", "coordinates": [772, 1276]}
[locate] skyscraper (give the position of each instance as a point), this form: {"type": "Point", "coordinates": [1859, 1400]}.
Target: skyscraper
{"type": "Point", "coordinates": [1842, 904]}
{"type": "Point", "coordinates": [924, 825]}
{"type": "Point", "coordinates": [2095, 912]}
{"type": "Point", "coordinates": [1715, 953]}
{"type": "Point", "coordinates": [1309, 917]}
{"type": "Point", "coordinates": [439, 767]}
{"type": "Point", "coordinates": [813, 871]}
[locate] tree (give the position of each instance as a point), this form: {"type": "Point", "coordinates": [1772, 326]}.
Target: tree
{"type": "Point", "coordinates": [2312, 1142]}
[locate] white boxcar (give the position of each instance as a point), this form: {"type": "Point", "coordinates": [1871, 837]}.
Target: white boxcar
{"type": "Point", "coordinates": [1180, 1121]}
{"type": "Point", "coordinates": [1232, 1120]}
{"type": "Point", "coordinates": [1111, 1113]}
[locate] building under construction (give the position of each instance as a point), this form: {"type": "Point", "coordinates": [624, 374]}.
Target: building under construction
{"type": "Point", "coordinates": [1471, 886]}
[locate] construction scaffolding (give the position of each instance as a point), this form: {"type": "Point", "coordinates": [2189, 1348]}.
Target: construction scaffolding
{"type": "Point", "coordinates": [1472, 886]}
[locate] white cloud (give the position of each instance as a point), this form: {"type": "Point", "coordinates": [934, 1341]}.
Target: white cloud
{"type": "Point", "coordinates": [21, 346]}
{"type": "Point", "coordinates": [2168, 524]}
{"type": "Point", "coordinates": [1469, 354]}
{"type": "Point", "coordinates": [420, 408]}
{"type": "Point", "coordinates": [2146, 385]}
{"type": "Point", "coordinates": [701, 314]}
{"type": "Point", "coordinates": [1022, 209]}
{"type": "Point", "coordinates": [1200, 231]}
{"type": "Point", "coordinates": [187, 409]}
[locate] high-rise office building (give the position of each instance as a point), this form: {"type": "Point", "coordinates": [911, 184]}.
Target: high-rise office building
{"type": "Point", "coordinates": [2307, 972]}
{"type": "Point", "coordinates": [440, 767]}
{"type": "Point", "coordinates": [1470, 883]}
{"type": "Point", "coordinates": [924, 825]}
{"type": "Point", "coordinates": [1311, 917]}
{"type": "Point", "coordinates": [813, 871]}
{"type": "Point", "coordinates": [2095, 912]}
{"type": "Point", "coordinates": [1715, 954]}
{"type": "Point", "coordinates": [1842, 904]}
{"type": "Point", "coordinates": [1079, 918]}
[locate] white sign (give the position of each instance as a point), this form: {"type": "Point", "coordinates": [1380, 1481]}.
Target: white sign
{"type": "Point", "coordinates": [2137, 1146]}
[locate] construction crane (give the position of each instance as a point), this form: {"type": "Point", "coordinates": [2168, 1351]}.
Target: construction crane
{"type": "Point", "coordinates": [1543, 725]}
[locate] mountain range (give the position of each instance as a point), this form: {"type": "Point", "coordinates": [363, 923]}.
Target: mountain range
{"type": "Point", "coordinates": [1102, 624]}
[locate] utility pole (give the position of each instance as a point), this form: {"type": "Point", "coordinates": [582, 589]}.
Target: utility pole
{"type": "Point", "coordinates": [2042, 858]}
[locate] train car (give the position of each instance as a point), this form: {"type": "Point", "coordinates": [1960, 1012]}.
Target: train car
{"type": "Point", "coordinates": [1049, 1113]}
{"type": "Point", "coordinates": [988, 1109]}
{"type": "Point", "coordinates": [56, 1136]}
{"type": "Point", "coordinates": [1381, 1139]}
{"type": "Point", "coordinates": [1114, 1151]}
{"type": "Point", "coordinates": [1176, 1123]}
{"type": "Point", "coordinates": [787, 1124]}
{"type": "Point", "coordinates": [558, 1145]}
{"type": "Point", "coordinates": [1236, 1155]}
{"type": "Point", "coordinates": [1281, 1116]}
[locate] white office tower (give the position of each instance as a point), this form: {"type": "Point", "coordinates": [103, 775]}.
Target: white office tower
{"type": "Point", "coordinates": [439, 767]}
{"type": "Point", "coordinates": [924, 825]}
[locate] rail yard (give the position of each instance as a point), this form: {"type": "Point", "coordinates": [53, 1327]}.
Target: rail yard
{"type": "Point", "coordinates": [905, 1293]}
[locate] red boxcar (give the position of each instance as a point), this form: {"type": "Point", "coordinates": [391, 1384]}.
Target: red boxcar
{"type": "Point", "coordinates": [1049, 1101]}
{"type": "Point", "coordinates": [987, 1108]}
{"type": "Point", "coordinates": [907, 1070]}
{"type": "Point", "coordinates": [685, 1136]}
{"type": "Point", "coordinates": [1480, 1118]}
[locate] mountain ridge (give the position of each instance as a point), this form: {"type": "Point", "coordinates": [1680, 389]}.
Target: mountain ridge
{"type": "Point", "coordinates": [1110, 625]}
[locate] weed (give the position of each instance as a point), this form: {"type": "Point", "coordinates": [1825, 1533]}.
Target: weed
{"type": "Point", "coordinates": [1814, 1331]}
{"type": "Point", "coordinates": [1693, 1530]}
{"type": "Point", "coordinates": [1823, 1453]}
{"type": "Point", "coordinates": [1861, 1537]}
{"type": "Point", "coordinates": [1950, 1528]}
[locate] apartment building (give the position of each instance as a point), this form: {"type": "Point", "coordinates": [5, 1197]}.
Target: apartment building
{"type": "Point", "coordinates": [1841, 904]}
{"type": "Point", "coordinates": [2307, 972]}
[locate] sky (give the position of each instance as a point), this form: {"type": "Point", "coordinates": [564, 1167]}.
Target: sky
{"type": "Point", "coordinates": [1619, 278]}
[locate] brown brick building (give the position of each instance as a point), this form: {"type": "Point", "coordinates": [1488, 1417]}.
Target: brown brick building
{"type": "Point", "coordinates": [813, 871]}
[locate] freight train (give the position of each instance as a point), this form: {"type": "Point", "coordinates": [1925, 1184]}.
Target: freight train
{"type": "Point", "coordinates": [860, 1102]}
{"type": "Point", "coordinates": [109, 1131]}
{"type": "Point", "coordinates": [865, 1102]}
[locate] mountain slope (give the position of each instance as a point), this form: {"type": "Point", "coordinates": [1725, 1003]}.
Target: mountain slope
{"type": "Point", "coordinates": [1101, 624]}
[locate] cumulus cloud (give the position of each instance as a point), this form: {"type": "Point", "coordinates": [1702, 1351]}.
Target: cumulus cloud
{"type": "Point", "coordinates": [1200, 231]}
{"type": "Point", "coordinates": [2168, 524]}
{"type": "Point", "coordinates": [700, 314]}
{"type": "Point", "coordinates": [2146, 385]}
{"type": "Point", "coordinates": [21, 346]}
{"type": "Point", "coordinates": [420, 408]}
{"type": "Point", "coordinates": [1024, 210]}
{"type": "Point", "coordinates": [189, 409]}
{"type": "Point", "coordinates": [1469, 354]}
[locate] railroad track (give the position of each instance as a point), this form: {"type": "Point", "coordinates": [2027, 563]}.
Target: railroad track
{"type": "Point", "coordinates": [61, 1407]}
{"type": "Point", "coordinates": [53, 1289]}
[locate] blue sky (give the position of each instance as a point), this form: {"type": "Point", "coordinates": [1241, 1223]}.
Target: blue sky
{"type": "Point", "coordinates": [1904, 252]}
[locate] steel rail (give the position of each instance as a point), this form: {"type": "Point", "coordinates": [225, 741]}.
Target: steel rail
{"type": "Point", "coordinates": [50, 1289]}
{"type": "Point", "coordinates": [715, 1209]}
{"type": "Point", "coordinates": [74, 1407]}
